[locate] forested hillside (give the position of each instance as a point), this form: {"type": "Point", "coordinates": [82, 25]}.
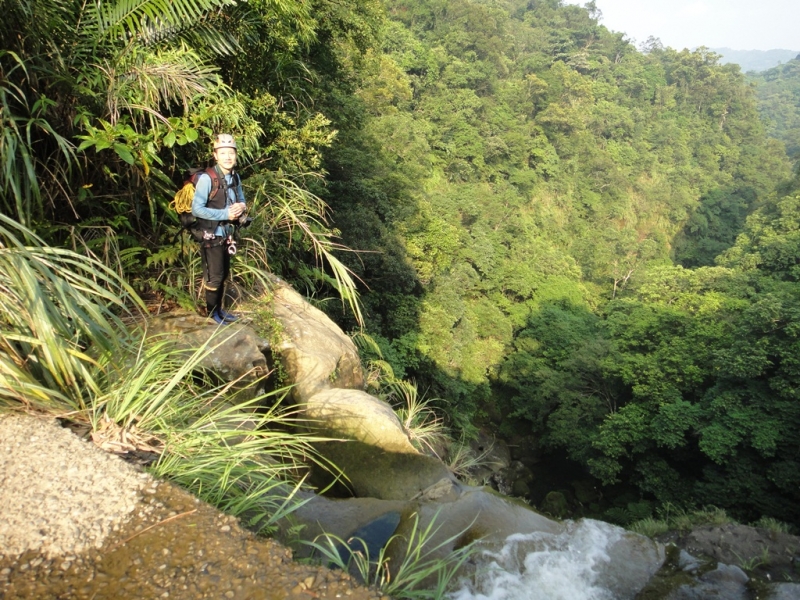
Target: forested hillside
{"type": "Point", "coordinates": [544, 206]}
{"type": "Point", "coordinates": [779, 103]}
{"type": "Point", "coordinates": [589, 248]}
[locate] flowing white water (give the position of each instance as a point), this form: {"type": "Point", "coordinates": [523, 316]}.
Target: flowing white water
{"type": "Point", "coordinates": [542, 566]}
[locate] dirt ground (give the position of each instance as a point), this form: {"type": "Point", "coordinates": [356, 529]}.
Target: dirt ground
{"type": "Point", "coordinates": [78, 523]}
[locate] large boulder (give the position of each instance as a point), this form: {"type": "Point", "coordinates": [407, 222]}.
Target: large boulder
{"type": "Point", "coordinates": [726, 581]}
{"type": "Point", "coordinates": [340, 517]}
{"type": "Point", "coordinates": [480, 513]}
{"type": "Point", "coordinates": [518, 546]}
{"type": "Point", "coordinates": [468, 514]}
{"type": "Point", "coordinates": [356, 415]}
{"type": "Point", "coordinates": [371, 472]}
{"type": "Point", "coordinates": [315, 353]}
{"type": "Point", "coordinates": [374, 452]}
{"type": "Point", "coordinates": [234, 353]}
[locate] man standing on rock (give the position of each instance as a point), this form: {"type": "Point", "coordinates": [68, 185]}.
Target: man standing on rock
{"type": "Point", "coordinates": [217, 204]}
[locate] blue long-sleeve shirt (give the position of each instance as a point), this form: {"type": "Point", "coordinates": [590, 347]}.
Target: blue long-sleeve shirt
{"type": "Point", "coordinates": [202, 211]}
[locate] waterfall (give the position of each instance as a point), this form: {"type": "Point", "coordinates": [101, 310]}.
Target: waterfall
{"type": "Point", "coordinates": [571, 565]}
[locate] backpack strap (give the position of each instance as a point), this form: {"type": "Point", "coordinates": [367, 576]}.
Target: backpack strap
{"type": "Point", "coordinates": [206, 226]}
{"type": "Point", "coordinates": [221, 182]}
{"type": "Point", "coordinates": [215, 181]}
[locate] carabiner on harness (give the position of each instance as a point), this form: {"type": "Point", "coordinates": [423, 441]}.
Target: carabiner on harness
{"type": "Point", "coordinates": [231, 245]}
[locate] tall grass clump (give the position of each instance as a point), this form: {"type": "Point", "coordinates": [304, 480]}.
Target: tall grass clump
{"type": "Point", "coordinates": [463, 461]}
{"type": "Point", "coordinates": [773, 525]}
{"type": "Point", "coordinates": [424, 425]}
{"type": "Point", "coordinates": [649, 527]}
{"type": "Point", "coordinates": [60, 315]}
{"type": "Point", "coordinates": [65, 350]}
{"type": "Point", "coordinates": [243, 456]}
{"type": "Point", "coordinates": [684, 519]}
{"type": "Point", "coordinates": [676, 518]}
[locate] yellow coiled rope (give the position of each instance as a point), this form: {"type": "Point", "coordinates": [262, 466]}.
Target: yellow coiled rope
{"type": "Point", "coordinates": [182, 203]}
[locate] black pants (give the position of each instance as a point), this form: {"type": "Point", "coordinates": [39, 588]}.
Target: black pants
{"type": "Point", "coordinates": [216, 266]}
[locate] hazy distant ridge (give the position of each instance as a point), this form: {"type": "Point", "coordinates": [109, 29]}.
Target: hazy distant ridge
{"type": "Point", "coordinates": [756, 60]}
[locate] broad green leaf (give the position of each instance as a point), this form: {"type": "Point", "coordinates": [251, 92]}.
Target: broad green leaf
{"type": "Point", "coordinates": [124, 153]}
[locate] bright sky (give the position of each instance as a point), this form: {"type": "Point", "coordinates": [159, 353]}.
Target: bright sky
{"type": "Point", "coordinates": [735, 24]}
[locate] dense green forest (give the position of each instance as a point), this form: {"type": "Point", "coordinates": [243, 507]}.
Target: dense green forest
{"type": "Point", "coordinates": [590, 248]}
{"type": "Point", "coordinates": [549, 206]}
{"type": "Point", "coordinates": [779, 103]}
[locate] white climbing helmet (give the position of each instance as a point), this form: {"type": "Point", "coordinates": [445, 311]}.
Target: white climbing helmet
{"type": "Point", "coordinates": [224, 140]}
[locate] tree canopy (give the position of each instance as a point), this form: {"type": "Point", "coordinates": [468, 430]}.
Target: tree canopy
{"type": "Point", "coordinates": [543, 206]}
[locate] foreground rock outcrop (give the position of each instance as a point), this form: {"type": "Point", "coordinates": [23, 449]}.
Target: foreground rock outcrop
{"type": "Point", "coordinates": [386, 479]}
{"type": "Point", "coordinates": [316, 354]}
{"type": "Point", "coordinates": [234, 354]}
{"type": "Point", "coordinates": [78, 523]}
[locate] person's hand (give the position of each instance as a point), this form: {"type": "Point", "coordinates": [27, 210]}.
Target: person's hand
{"type": "Point", "coordinates": [235, 211]}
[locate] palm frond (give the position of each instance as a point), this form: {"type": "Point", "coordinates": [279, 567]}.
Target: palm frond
{"type": "Point", "coordinates": [210, 36]}
{"type": "Point", "coordinates": [53, 303]}
{"type": "Point", "coordinates": [295, 208]}
{"type": "Point", "coordinates": [141, 80]}
{"type": "Point", "coordinates": [130, 18]}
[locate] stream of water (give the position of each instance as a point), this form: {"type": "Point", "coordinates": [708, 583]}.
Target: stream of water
{"type": "Point", "coordinates": [542, 566]}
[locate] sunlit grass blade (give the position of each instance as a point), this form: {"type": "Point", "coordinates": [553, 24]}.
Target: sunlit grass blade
{"type": "Point", "coordinates": [461, 459]}
{"type": "Point", "coordinates": [425, 569]}
{"type": "Point", "coordinates": [295, 208]}
{"type": "Point", "coordinates": [423, 425]}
